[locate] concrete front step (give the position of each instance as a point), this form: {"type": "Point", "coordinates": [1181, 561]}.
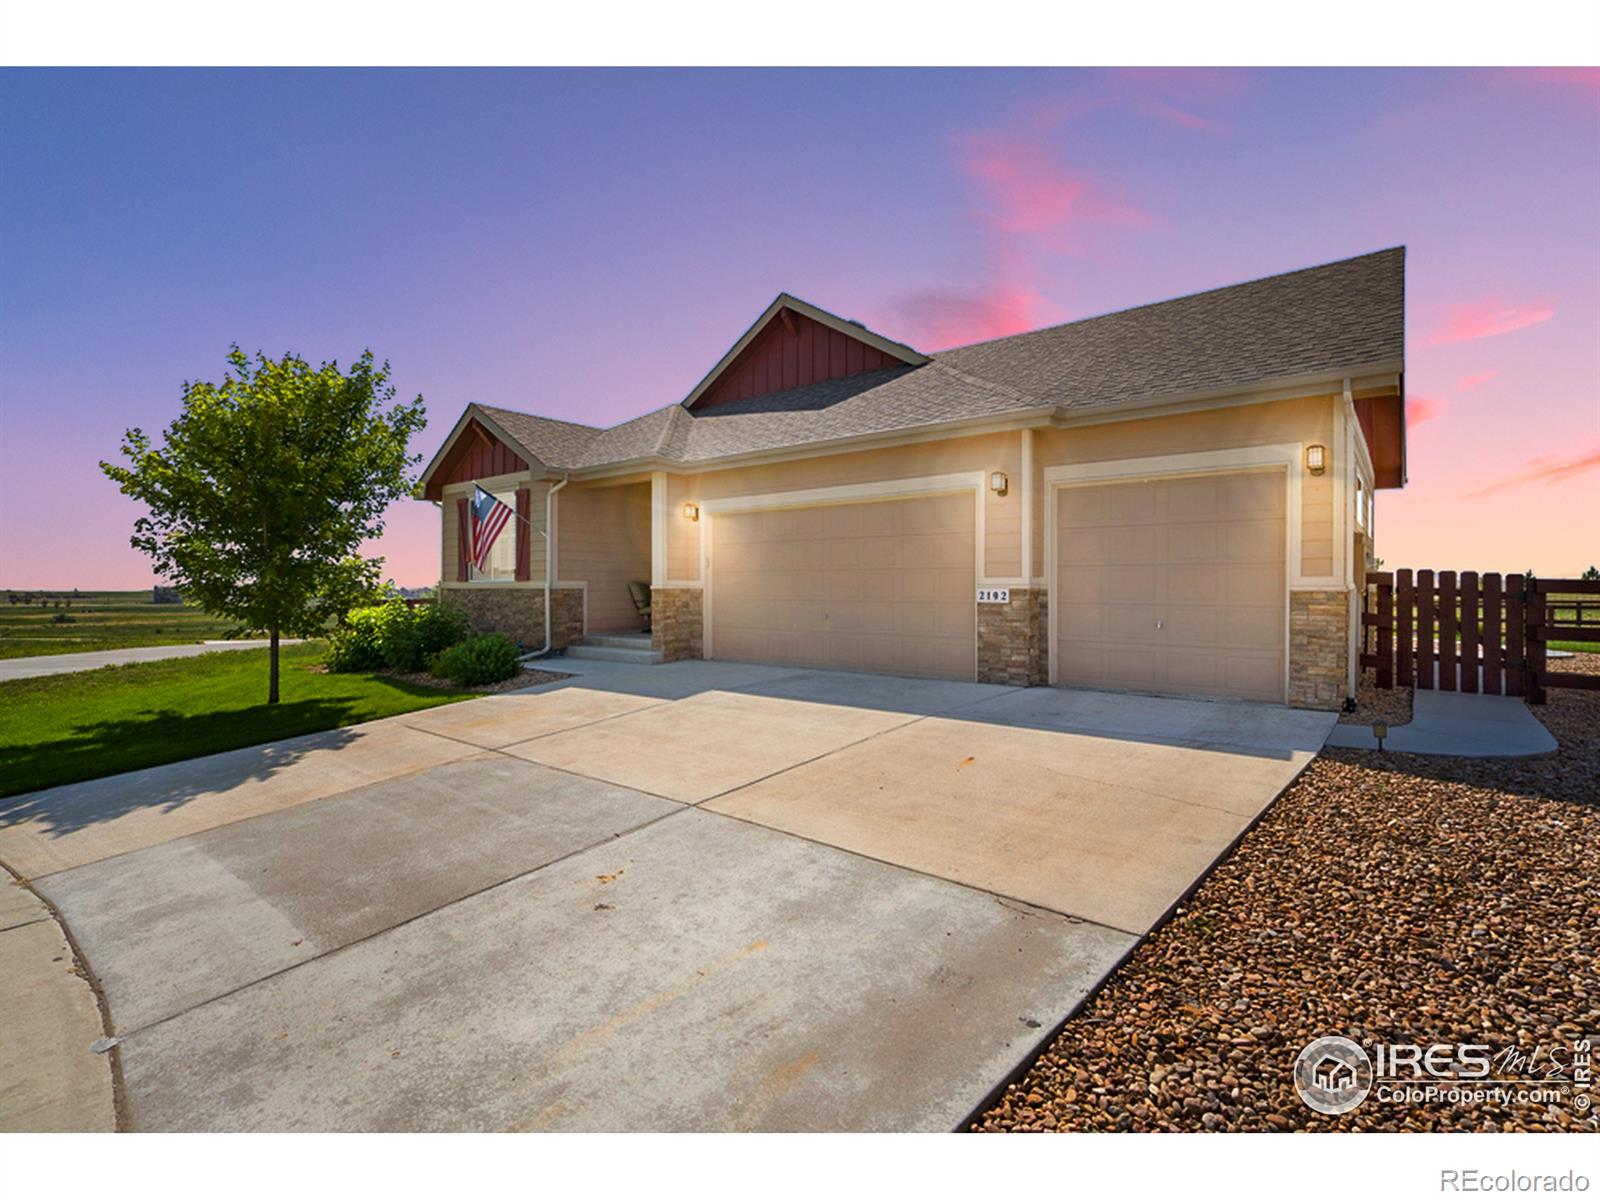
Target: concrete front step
{"type": "Point", "coordinates": [622, 654]}
{"type": "Point", "coordinates": [623, 641]}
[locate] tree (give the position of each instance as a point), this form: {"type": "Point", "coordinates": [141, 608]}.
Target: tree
{"type": "Point", "coordinates": [1592, 573]}
{"type": "Point", "coordinates": [266, 486]}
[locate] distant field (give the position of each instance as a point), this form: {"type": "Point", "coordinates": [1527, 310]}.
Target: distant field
{"type": "Point", "coordinates": [99, 621]}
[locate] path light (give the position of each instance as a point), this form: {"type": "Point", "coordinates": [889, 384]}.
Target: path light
{"type": "Point", "coordinates": [691, 511]}
{"type": "Point", "coordinates": [998, 482]}
{"type": "Point", "coordinates": [1380, 730]}
{"type": "Point", "coordinates": [1316, 458]}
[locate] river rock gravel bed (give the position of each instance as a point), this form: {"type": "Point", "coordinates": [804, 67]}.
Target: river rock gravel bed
{"type": "Point", "coordinates": [1384, 897]}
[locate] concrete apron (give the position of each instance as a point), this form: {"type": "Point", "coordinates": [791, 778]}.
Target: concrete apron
{"type": "Point", "coordinates": [534, 930]}
{"type": "Point", "coordinates": [1458, 725]}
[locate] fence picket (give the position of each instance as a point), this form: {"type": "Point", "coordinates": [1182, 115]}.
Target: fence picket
{"type": "Point", "coordinates": [1425, 657]}
{"type": "Point", "coordinates": [1493, 633]}
{"type": "Point", "coordinates": [1469, 631]}
{"type": "Point", "coordinates": [1405, 603]}
{"type": "Point", "coordinates": [1386, 634]}
{"type": "Point", "coordinates": [1447, 631]}
{"type": "Point", "coordinates": [1533, 685]}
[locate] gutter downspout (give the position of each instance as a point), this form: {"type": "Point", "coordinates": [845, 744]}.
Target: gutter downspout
{"type": "Point", "coordinates": [549, 562]}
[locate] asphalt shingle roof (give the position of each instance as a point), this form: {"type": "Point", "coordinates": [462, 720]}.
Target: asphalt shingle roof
{"type": "Point", "coordinates": [1338, 317]}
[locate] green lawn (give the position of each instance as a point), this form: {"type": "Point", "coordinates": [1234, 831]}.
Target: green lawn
{"type": "Point", "coordinates": [58, 729]}
{"type": "Point", "coordinates": [98, 621]}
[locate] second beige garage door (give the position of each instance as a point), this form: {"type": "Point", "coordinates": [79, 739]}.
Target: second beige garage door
{"type": "Point", "coordinates": [1175, 586]}
{"type": "Point", "coordinates": [884, 586]}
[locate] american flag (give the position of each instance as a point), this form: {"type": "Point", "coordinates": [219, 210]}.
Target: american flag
{"type": "Point", "coordinates": [489, 517]}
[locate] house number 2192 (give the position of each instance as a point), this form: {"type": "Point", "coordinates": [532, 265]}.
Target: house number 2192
{"type": "Point", "coordinates": [994, 595]}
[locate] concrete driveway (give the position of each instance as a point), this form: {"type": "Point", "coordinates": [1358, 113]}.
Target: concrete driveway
{"type": "Point", "coordinates": [695, 896]}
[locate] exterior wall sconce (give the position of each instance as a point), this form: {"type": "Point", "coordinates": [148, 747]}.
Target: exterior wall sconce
{"type": "Point", "coordinates": [1316, 459]}
{"type": "Point", "coordinates": [691, 511]}
{"type": "Point", "coordinates": [998, 482]}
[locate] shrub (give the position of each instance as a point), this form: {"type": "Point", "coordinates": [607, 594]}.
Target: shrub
{"type": "Point", "coordinates": [486, 658]}
{"type": "Point", "coordinates": [394, 635]}
{"type": "Point", "coordinates": [62, 618]}
{"type": "Point", "coordinates": [409, 642]}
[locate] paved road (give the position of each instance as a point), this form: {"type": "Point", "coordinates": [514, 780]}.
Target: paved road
{"type": "Point", "coordinates": [61, 664]}
{"type": "Point", "coordinates": [694, 896]}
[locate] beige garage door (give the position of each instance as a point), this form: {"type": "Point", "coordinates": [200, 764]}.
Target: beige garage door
{"type": "Point", "coordinates": [886, 586]}
{"type": "Point", "coordinates": [1173, 586]}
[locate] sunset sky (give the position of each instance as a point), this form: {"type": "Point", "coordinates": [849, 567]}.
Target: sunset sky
{"type": "Point", "coordinates": [586, 244]}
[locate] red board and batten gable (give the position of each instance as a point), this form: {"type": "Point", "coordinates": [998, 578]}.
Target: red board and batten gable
{"type": "Point", "coordinates": [792, 351]}
{"type": "Point", "coordinates": [477, 454]}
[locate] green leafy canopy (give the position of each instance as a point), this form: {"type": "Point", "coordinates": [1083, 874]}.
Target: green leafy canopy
{"type": "Point", "coordinates": [267, 484]}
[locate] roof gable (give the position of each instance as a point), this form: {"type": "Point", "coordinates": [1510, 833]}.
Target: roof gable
{"type": "Point", "coordinates": [793, 345]}
{"type": "Point", "coordinates": [472, 451]}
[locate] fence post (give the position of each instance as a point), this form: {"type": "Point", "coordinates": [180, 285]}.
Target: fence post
{"type": "Point", "coordinates": [1493, 648]}
{"type": "Point", "coordinates": [1533, 638]}
{"type": "Point", "coordinates": [1405, 605]}
{"type": "Point", "coordinates": [1469, 631]}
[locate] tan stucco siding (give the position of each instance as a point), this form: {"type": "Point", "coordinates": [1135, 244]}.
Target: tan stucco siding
{"type": "Point", "coordinates": [1305, 421]}
{"type": "Point", "coordinates": [501, 485]}
{"type": "Point", "coordinates": [604, 541]}
{"type": "Point", "coordinates": [990, 452]}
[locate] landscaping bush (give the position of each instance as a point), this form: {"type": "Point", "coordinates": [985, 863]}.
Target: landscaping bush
{"type": "Point", "coordinates": [394, 635]}
{"type": "Point", "coordinates": [409, 643]}
{"type": "Point", "coordinates": [486, 658]}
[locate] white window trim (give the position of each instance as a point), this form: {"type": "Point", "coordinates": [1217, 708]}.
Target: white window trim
{"type": "Point", "coordinates": [1288, 457]}
{"type": "Point", "coordinates": [503, 486]}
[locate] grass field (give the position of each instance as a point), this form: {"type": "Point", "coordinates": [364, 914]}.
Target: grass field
{"type": "Point", "coordinates": [100, 621]}
{"type": "Point", "coordinates": [58, 729]}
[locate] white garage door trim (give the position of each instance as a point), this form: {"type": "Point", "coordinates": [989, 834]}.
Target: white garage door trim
{"type": "Point", "coordinates": [850, 493]}
{"type": "Point", "coordinates": [1282, 456]}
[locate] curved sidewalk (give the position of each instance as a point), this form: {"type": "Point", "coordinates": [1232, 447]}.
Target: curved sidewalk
{"type": "Point", "coordinates": [1462, 725]}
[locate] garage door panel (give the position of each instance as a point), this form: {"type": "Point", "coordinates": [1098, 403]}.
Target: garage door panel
{"type": "Point", "coordinates": [884, 585]}
{"type": "Point", "coordinates": [1204, 556]}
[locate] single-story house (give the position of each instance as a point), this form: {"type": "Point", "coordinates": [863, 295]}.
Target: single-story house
{"type": "Point", "coordinates": [1175, 499]}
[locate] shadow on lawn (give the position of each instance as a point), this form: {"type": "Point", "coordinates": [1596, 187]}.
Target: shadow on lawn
{"type": "Point", "coordinates": [239, 742]}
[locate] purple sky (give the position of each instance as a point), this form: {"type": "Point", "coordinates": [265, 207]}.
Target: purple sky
{"type": "Point", "coordinates": [586, 244]}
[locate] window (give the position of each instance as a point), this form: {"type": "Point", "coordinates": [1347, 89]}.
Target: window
{"type": "Point", "coordinates": [503, 554]}
{"type": "Point", "coordinates": [1361, 504]}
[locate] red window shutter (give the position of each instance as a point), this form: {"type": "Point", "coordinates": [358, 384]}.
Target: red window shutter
{"type": "Point", "coordinates": [463, 539]}
{"type": "Point", "coordinates": [524, 559]}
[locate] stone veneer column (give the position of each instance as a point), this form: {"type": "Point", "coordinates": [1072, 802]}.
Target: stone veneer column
{"type": "Point", "coordinates": [677, 623]}
{"type": "Point", "coordinates": [1319, 648]}
{"type": "Point", "coordinates": [1013, 644]}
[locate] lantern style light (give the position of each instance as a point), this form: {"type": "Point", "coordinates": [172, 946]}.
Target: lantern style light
{"type": "Point", "coordinates": [998, 482]}
{"type": "Point", "coordinates": [1316, 459]}
{"type": "Point", "coordinates": [691, 511]}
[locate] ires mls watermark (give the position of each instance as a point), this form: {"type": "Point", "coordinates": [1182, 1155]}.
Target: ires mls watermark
{"type": "Point", "coordinates": [1336, 1075]}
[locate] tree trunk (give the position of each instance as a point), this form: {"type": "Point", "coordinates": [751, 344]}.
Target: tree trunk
{"type": "Point", "coordinates": [272, 685]}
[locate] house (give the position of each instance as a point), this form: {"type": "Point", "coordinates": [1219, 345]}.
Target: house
{"type": "Point", "coordinates": [1176, 498]}
{"type": "Point", "coordinates": [1334, 1074]}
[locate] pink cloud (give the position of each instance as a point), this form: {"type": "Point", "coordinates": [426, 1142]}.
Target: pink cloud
{"type": "Point", "coordinates": [1467, 382]}
{"type": "Point", "coordinates": [1420, 409]}
{"type": "Point", "coordinates": [1028, 194]}
{"type": "Point", "coordinates": [939, 318]}
{"type": "Point", "coordinates": [1543, 470]}
{"type": "Point", "coordinates": [1488, 318]}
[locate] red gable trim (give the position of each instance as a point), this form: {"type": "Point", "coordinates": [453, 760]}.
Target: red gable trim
{"type": "Point", "coordinates": [1383, 421]}
{"type": "Point", "coordinates": [792, 352]}
{"type": "Point", "coordinates": [793, 344]}
{"type": "Point", "coordinates": [477, 454]}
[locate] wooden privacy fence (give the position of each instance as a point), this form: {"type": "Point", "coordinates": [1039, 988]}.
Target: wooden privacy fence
{"type": "Point", "coordinates": [1459, 631]}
